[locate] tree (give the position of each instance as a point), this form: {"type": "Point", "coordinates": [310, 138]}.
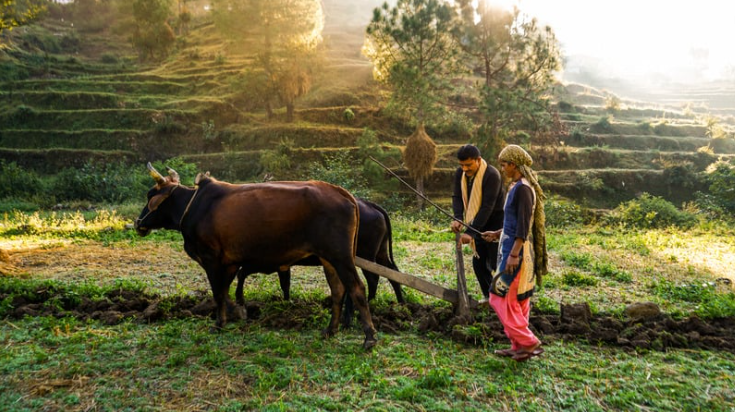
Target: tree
{"type": "Point", "coordinates": [184, 18]}
{"type": "Point", "coordinates": [413, 51]}
{"type": "Point", "coordinates": [14, 13]}
{"type": "Point", "coordinates": [285, 35]}
{"type": "Point", "coordinates": [153, 37]}
{"type": "Point", "coordinates": [517, 61]}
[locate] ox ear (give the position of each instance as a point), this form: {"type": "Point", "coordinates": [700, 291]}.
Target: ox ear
{"type": "Point", "coordinates": [155, 175]}
{"type": "Point", "coordinates": [156, 201]}
{"type": "Point", "coordinates": [174, 176]}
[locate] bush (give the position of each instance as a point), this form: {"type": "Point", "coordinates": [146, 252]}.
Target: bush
{"type": "Point", "coordinates": [10, 71]}
{"type": "Point", "coordinates": [17, 182]}
{"type": "Point", "coordinates": [112, 182]}
{"type": "Point", "coordinates": [721, 179]}
{"type": "Point", "coordinates": [339, 169]}
{"type": "Point", "coordinates": [681, 176]}
{"type": "Point", "coordinates": [22, 116]}
{"type": "Point", "coordinates": [650, 212]}
{"type": "Point", "coordinates": [109, 58]}
{"type": "Point", "coordinates": [603, 125]}
{"type": "Point", "coordinates": [574, 278]}
{"type": "Point", "coordinates": [562, 213]}
{"type": "Point", "coordinates": [278, 160]}
{"type": "Point", "coordinates": [348, 115]}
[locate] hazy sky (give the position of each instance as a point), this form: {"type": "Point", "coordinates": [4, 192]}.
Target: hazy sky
{"type": "Point", "coordinates": [682, 39]}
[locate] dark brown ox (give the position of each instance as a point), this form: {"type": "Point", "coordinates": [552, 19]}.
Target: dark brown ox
{"type": "Point", "coordinates": [374, 243]}
{"type": "Point", "coordinates": [262, 228]}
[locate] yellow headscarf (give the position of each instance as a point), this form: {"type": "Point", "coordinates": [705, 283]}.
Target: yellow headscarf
{"type": "Point", "coordinates": [519, 157]}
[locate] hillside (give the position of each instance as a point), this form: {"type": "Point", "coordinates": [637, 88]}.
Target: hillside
{"type": "Point", "coordinates": [70, 96]}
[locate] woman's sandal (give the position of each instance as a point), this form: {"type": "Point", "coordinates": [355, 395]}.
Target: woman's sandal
{"type": "Point", "coordinates": [508, 353]}
{"type": "Point", "coordinates": [524, 355]}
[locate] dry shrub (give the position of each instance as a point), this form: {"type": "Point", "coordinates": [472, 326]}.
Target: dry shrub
{"type": "Point", "coordinates": [420, 156]}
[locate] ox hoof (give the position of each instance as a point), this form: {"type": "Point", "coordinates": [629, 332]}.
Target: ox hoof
{"type": "Point", "coordinates": [328, 333]}
{"type": "Point", "coordinates": [369, 344]}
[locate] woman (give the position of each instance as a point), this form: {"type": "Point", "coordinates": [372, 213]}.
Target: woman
{"type": "Point", "coordinates": [521, 254]}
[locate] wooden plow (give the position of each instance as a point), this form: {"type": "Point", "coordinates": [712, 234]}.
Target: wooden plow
{"type": "Point", "coordinates": [459, 298]}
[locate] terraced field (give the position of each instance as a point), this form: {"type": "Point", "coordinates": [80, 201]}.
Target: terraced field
{"type": "Point", "coordinates": [73, 106]}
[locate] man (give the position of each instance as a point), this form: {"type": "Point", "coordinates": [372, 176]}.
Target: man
{"type": "Point", "coordinates": [478, 201]}
{"type": "Point", "coordinates": [523, 257]}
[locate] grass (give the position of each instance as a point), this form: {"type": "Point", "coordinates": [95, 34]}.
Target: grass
{"type": "Point", "coordinates": [65, 364]}
{"type": "Point", "coordinates": [177, 364]}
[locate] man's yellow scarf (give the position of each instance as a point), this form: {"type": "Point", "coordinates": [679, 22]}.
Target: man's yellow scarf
{"type": "Point", "coordinates": [472, 205]}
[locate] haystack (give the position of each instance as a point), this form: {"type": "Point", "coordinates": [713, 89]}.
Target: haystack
{"type": "Point", "coordinates": [420, 154]}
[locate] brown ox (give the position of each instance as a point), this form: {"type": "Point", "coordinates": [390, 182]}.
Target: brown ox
{"type": "Point", "coordinates": [374, 243]}
{"type": "Point", "coordinates": [262, 228]}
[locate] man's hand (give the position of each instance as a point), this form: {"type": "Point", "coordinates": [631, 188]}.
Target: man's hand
{"type": "Point", "coordinates": [491, 235]}
{"type": "Point", "coordinates": [456, 226]}
{"type": "Point", "coordinates": [464, 238]}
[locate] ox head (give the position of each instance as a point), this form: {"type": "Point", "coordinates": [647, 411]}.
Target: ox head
{"type": "Point", "coordinates": [157, 212]}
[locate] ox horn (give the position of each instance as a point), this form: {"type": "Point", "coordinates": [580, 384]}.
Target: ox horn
{"type": "Point", "coordinates": [154, 174]}
{"type": "Point", "coordinates": [173, 174]}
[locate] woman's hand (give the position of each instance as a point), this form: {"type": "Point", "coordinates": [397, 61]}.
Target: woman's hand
{"type": "Point", "coordinates": [511, 265]}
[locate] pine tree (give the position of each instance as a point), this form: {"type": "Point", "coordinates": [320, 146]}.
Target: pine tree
{"type": "Point", "coordinates": [413, 52]}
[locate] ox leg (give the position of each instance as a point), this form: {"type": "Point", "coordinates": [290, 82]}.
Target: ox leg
{"type": "Point", "coordinates": [284, 278]}
{"type": "Point", "coordinates": [354, 286]}
{"type": "Point", "coordinates": [349, 306]}
{"type": "Point", "coordinates": [220, 280]}
{"type": "Point", "coordinates": [338, 292]}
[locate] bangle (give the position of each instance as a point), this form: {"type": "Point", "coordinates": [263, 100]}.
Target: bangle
{"type": "Point", "coordinates": [514, 256]}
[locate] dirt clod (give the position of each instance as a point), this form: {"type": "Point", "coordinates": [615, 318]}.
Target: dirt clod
{"type": "Point", "coordinates": [644, 328]}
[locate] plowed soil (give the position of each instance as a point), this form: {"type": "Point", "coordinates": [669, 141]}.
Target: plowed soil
{"type": "Point", "coordinates": [643, 326]}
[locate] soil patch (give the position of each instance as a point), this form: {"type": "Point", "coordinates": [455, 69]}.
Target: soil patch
{"type": "Point", "coordinates": [644, 326]}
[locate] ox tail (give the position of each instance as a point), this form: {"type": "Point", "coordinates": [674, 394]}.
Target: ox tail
{"type": "Point", "coordinates": [390, 232]}
{"type": "Point", "coordinates": [352, 200]}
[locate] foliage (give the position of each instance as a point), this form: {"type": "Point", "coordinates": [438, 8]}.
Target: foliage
{"type": "Point", "coordinates": [368, 145]}
{"type": "Point", "coordinates": [413, 51]}
{"type": "Point", "coordinates": [17, 182]}
{"type": "Point", "coordinates": [562, 212]}
{"type": "Point", "coordinates": [14, 13]}
{"type": "Point", "coordinates": [153, 37]}
{"type": "Point", "coordinates": [187, 171]}
{"type": "Point", "coordinates": [251, 89]}
{"type": "Point", "coordinates": [278, 160]}
{"type": "Point", "coordinates": [648, 212]}
{"type": "Point", "coordinates": [575, 278]}
{"type": "Point", "coordinates": [348, 115]}
{"type": "Point", "coordinates": [721, 179]}
{"type": "Point", "coordinates": [74, 225]}
{"type": "Point", "coordinates": [603, 125]}
{"type": "Point", "coordinates": [713, 128]}
{"type": "Point", "coordinates": [339, 169]}
{"type": "Point", "coordinates": [681, 176]}
{"type": "Point", "coordinates": [710, 303]}
{"type": "Point", "coordinates": [517, 60]}
{"type": "Point", "coordinates": [93, 16]}
{"type": "Point", "coordinates": [612, 104]}
{"type": "Point", "coordinates": [284, 35]}
{"type": "Point", "coordinates": [109, 182]}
